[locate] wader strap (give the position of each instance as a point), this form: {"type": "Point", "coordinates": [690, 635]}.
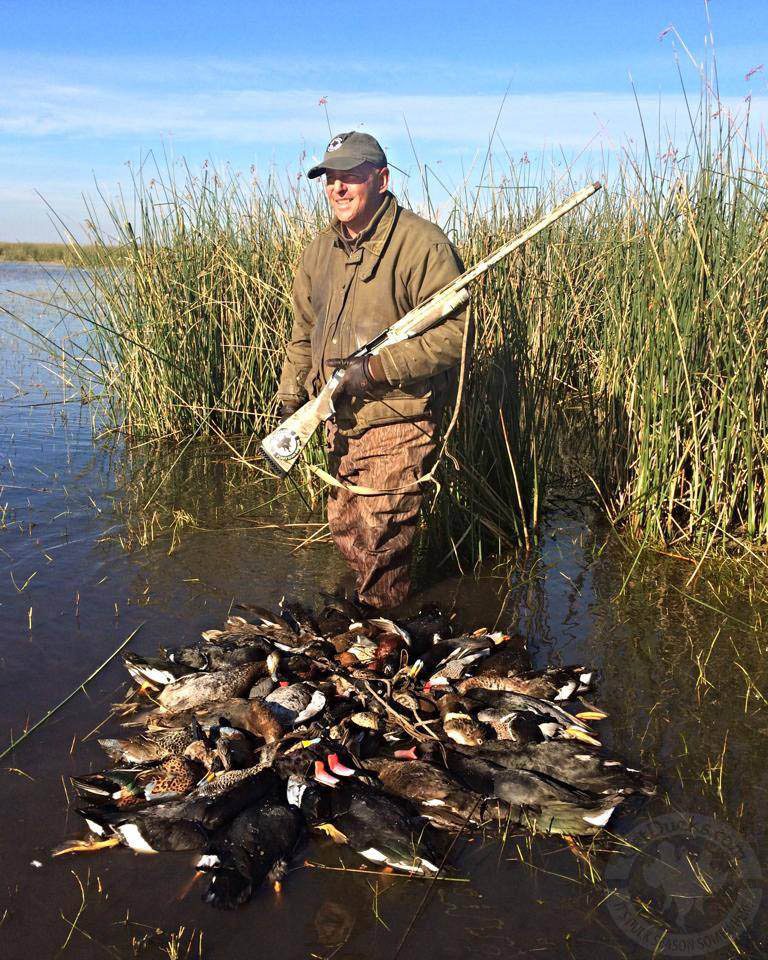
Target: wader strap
{"type": "Point", "coordinates": [369, 491]}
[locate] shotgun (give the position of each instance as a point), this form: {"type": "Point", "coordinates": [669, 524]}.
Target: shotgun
{"type": "Point", "coordinates": [284, 446]}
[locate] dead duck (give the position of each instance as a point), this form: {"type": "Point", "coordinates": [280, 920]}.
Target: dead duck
{"type": "Point", "coordinates": [254, 847]}
{"type": "Point", "coordinates": [438, 796]}
{"type": "Point", "coordinates": [253, 716]}
{"type": "Point", "coordinates": [571, 763]}
{"type": "Point", "coordinates": [172, 665]}
{"type": "Point", "coordinates": [173, 777]}
{"type": "Point", "coordinates": [448, 660]}
{"type": "Point", "coordinates": [276, 630]}
{"type": "Point", "coordinates": [296, 703]}
{"type": "Point", "coordinates": [155, 671]}
{"type": "Point", "coordinates": [375, 826]}
{"type": "Point", "coordinates": [565, 762]}
{"type": "Point", "coordinates": [500, 708]}
{"type": "Point", "coordinates": [458, 723]}
{"type": "Point", "coordinates": [198, 689]}
{"type": "Point", "coordinates": [550, 806]}
{"type": "Point", "coordinates": [554, 683]}
{"type": "Point", "coordinates": [180, 824]}
{"type": "Point", "coordinates": [223, 748]}
{"type": "Point", "coordinates": [427, 627]}
{"type": "Point", "coordinates": [318, 757]}
{"type": "Point", "coordinates": [149, 748]}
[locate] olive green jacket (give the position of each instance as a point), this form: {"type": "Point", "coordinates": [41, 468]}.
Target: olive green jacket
{"type": "Point", "coordinates": [346, 292]}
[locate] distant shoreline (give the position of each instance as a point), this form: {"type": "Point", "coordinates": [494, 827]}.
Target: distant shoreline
{"type": "Point", "coordinates": [45, 252]}
{"type": "Point", "coordinates": [39, 252]}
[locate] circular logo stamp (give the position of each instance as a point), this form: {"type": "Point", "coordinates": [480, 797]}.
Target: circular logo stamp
{"type": "Point", "coordinates": [686, 886]}
{"type": "Point", "coordinates": [335, 144]}
{"type": "Point", "coordinates": [286, 443]}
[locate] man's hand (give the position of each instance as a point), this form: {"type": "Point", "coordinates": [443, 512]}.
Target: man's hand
{"type": "Point", "coordinates": [287, 409]}
{"type": "Point", "coordinates": [360, 376]}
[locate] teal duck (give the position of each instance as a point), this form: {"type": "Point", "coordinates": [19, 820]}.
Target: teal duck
{"type": "Point", "coordinates": [498, 708]}
{"type": "Point", "coordinates": [458, 723]}
{"type": "Point", "coordinates": [554, 683]}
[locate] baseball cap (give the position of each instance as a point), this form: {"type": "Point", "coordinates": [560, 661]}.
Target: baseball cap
{"type": "Point", "coordinates": [347, 151]}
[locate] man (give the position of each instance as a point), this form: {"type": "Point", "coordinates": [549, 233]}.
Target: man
{"type": "Point", "coordinates": [369, 267]}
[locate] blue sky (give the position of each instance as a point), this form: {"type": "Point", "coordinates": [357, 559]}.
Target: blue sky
{"type": "Point", "coordinates": [86, 87]}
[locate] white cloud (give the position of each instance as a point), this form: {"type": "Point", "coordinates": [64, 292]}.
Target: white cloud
{"type": "Point", "coordinates": [261, 117]}
{"type": "Point", "coordinates": [63, 122]}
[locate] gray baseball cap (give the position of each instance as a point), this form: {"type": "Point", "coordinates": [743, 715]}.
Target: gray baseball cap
{"type": "Point", "coordinates": [347, 151]}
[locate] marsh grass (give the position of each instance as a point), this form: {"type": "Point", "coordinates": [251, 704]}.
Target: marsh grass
{"type": "Point", "coordinates": [625, 349]}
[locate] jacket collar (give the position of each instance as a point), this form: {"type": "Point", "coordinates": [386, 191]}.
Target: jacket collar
{"type": "Point", "coordinates": [375, 236]}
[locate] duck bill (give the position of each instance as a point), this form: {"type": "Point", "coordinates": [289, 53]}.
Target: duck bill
{"type": "Point", "coordinates": [578, 734]}
{"type": "Point", "coordinates": [87, 846]}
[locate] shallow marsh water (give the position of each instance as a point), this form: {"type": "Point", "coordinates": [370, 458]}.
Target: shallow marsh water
{"type": "Point", "coordinates": [683, 678]}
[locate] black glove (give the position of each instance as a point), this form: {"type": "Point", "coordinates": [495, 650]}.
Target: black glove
{"type": "Point", "coordinates": [360, 376]}
{"type": "Point", "coordinates": [287, 408]}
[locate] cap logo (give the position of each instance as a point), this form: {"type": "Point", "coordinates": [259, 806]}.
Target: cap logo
{"type": "Point", "coordinates": [334, 144]}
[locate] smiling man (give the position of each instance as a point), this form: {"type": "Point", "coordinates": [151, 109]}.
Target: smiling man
{"type": "Point", "coordinates": [369, 267]}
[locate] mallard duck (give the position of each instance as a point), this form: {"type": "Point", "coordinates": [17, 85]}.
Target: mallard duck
{"type": "Point", "coordinates": [375, 826]}
{"type": "Point", "coordinates": [254, 847]}
{"type": "Point", "coordinates": [173, 777]}
{"type": "Point", "coordinates": [181, 824]}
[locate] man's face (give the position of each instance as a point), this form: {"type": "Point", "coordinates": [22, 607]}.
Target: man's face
{"type": "Point", "coordinates": [355, 194]}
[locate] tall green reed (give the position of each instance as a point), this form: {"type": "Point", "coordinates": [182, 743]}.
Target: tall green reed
{"type": "Point", "coordinates": [628, 344]}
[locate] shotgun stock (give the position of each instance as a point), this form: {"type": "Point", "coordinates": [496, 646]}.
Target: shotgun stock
{"type": "Point", "coordinates": [284, 446]}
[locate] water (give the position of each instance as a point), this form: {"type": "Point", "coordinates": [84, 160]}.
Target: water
{"type": "Point", "coordinates": [96, 541]}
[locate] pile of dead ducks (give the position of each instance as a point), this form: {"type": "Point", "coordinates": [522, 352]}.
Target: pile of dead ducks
{"type": "Point", "coordinates": [386, 736]}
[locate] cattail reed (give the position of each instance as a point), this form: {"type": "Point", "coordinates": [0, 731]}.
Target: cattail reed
{"type": "Point", "coordinates": [625, 348]}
